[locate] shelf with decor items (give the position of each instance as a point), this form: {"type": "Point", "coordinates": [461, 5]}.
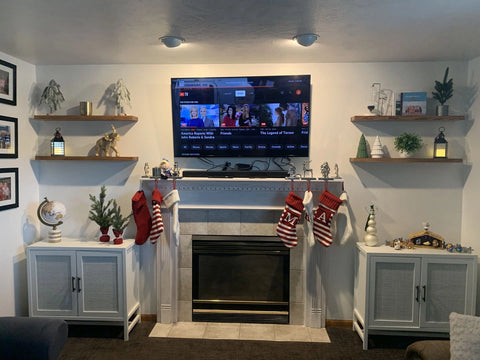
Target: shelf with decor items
{"type": "Point", "coordinates": [86, 158]}
{"type": "Point", "coordinates": [411, 291]}
{"type": "Point", "coordinates": [86, 118]}
{"type": "Point", "coordinates": [404, 160]}
{"type": "Point", "coordinates": [359, 118]}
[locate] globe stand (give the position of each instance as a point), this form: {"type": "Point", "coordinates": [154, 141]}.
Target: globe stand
{"type": "Point", "coordinates": [54, 235]}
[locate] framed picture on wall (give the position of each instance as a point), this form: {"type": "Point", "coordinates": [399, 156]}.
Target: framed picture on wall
{"type": "Point", "coordinates": [8, 83]}
{"type": "Point", "coordinates": [8, 188]}
{"type": "Point", "coordinates": [8, 137]}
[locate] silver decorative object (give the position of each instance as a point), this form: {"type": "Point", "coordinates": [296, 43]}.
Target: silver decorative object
{"type": "Point", "coordinates": [325, 170]}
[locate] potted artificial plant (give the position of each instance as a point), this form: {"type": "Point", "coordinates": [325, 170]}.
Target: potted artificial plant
{"type": "Point", "coordinates": [119, 223]}
{"type": "Point", "coordinates": [101, 213]}
{"type": "Point", "coordinates": [443, 92]}
{"type": "Point", "coordinates": [407, 144]}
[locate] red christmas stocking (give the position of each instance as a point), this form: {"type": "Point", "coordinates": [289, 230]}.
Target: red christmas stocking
{"type": "Point", "coordinates": [141, 216]}
{"type": "Point", "coordinates": [322, 219]}
{"type": "Point", "coordinates": [157, 221]}
{"type": "Point", "coordinates": [286, 227]}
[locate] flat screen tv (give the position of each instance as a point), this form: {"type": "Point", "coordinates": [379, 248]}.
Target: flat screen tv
{"type": "Point", "coordinates": [251, 116]}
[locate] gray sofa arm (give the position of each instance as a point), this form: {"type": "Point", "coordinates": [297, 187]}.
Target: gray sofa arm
{"type": "Point", "coordinates": [32, 338]}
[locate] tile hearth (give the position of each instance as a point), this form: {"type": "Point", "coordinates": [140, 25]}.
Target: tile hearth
{"type": "Point", "coordinates": [240, 331]}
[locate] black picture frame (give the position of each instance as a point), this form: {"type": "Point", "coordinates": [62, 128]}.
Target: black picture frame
{"type": "Point", "coordinates": [8, 188]}
{"type": "Point", "coordinates": [8, 137]}
{"type": "Point", "coordinates": [8, 83]}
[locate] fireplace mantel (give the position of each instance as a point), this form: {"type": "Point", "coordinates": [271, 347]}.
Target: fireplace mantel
{"type": "Point", "coordinates": [238, 193]}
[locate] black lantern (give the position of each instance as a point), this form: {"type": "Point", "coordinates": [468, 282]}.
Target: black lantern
{"type": "Point", "coordinates": [57, 145]}
{"type": "Point", "coordinates": [440, 145]}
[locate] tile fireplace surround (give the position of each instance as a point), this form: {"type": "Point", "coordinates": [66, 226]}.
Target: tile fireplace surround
{"type": "Point", "coordinates": [236, 207]}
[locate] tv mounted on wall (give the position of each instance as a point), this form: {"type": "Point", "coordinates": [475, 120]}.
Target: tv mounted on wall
{"type": "Point", "coordinates": [251, 116]}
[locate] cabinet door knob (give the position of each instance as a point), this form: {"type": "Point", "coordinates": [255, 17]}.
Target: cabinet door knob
{"type": "Point", "coordinates": [424, 292]}
{"type": "Point", "coordinates": [79, 281]}
{"type": "Point", "coordinates": [73, 284]}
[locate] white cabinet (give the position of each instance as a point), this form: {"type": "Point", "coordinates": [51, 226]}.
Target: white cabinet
{"type": "Point", "coordinates": [411, 291]}
{"type": "Point", "coordinates": [84, 281]}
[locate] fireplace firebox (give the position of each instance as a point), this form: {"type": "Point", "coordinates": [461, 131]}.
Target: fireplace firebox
{"type": "Point", "coordinates": [240, 279]}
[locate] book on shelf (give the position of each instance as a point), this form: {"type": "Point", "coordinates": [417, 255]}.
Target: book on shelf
{"type": "Point", "coordinates": [414, 103]}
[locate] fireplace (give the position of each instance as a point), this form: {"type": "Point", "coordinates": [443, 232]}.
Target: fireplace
{"type": "Point", "coordinates": [240, 279]}
{"type": "Point", "coordinates": [251, 208]}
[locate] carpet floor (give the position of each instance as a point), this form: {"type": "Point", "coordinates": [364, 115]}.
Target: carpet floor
{"type": "Point", "coordinates": [104, 343]}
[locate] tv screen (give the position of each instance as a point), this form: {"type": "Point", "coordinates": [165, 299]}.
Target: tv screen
{"type": "Point", "coordinates": [254, 116]}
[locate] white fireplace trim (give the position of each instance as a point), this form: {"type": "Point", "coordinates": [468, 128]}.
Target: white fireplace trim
{"type": "Point", "coordinates": [259, 194]}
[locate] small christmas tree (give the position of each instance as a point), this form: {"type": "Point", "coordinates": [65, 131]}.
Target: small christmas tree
{"type": "Point", "coordinates": [362, 151]}
{"type": "Point", "coordinates": [377, 149]}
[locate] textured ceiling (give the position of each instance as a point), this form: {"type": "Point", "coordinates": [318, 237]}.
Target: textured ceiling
{"type": "Point", "coordinates": [241, 31]}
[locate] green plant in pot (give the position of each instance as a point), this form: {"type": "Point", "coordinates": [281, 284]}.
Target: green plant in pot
{"type": "Point", "coordinates": [407, 143]}
{"type": "Point", "coordinates": [119, 223]}
{"type": "Point", "coordinates": [101, 213]}
{"type": "Point", "coordinates": [443, 92]}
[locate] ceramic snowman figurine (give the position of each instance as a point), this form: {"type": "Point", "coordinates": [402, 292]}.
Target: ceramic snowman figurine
{"type": "Point", "coordinates": [370, 237]}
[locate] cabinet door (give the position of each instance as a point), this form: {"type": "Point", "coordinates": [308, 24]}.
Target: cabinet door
{"type": "Point", "coordinates": [446, 287]}
{"type": "Point", "coordinates": [394, 291]}
{"type": "Point", "coordinates": [52, 283]}
{"type": "Point", "coordinates": [101, 293]}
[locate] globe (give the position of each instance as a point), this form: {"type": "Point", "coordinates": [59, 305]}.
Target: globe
{"type": "Point", "coordinates": [51, 213]}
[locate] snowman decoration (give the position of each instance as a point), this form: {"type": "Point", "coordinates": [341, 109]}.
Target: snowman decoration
{"type": "Point", "coordinates": [370, 237]}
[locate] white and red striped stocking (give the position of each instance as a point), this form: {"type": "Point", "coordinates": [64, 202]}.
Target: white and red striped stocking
{"type": "Point", "coordinates": [286, 227]}
{"type": "Point", "coordinates": [322, 218]}
{"type": "Point", "coordinates": [157, 221]}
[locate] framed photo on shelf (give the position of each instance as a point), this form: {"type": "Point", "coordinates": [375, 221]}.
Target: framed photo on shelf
{"type": "Point", "coordinates": [8, 137]}
{"type": "Point", "coordinates": [8, 188]}
{"type": "Point", "coordinates": [8, 83]}
{"type": "Point", "coordinates": [414, 103]}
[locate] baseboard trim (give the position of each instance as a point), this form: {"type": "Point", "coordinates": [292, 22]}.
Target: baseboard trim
{"type": "Point", "coordinates": [339, 323]}
{"type": "Point", "coordinates": [328, 322]}
{"type": "Point", "coordinates": [149, 317]}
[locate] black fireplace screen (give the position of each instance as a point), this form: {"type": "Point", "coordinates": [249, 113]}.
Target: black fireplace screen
{"type": "Point", "coordinates": [240, 279]}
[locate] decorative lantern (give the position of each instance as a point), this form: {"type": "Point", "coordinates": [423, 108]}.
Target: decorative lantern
{"type": "Point", "coordinates": [57, 145]}
{"type": "Point", "coordinates": [440, 146]}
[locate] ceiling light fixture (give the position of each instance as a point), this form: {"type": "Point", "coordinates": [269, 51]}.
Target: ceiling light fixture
{"type": "Point", "coordinates": [172, 41]}
{"type": "Point", "coordinates": [305, 39]}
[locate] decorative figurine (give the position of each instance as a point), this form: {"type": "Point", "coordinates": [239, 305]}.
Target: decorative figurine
{"type": "Point", "coordinates": [377, 149]}
{"type": "Point", "coordinates": [335, 172]}
{"type": "Point", "coordinates": [458, 248]}
{"type": "Point", "coordinates": [146, 169]}
{"type": "Point", "coordinates": [52, 96]}
{"type": "Point", "coordinates": [166, 169]}
{"type": "Point", "coordinates": [307, 169]}
{"type": "Point", "coordinates": [370, 237]}
{"type": "Point", "coordinates": [397, 245]}
{"type": "Point", "coordinates": [121, 96]}
{"type": "Point", "coordinates": [325, 170]}
{"type": "Point", "coordinates": [449, 247]}
{"type": "Point", "coordinates": [427, 238]}
{"type": "Point", "coordinates": [107, 143]}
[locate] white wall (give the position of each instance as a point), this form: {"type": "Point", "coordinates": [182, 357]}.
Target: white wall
{"type": "Point", "coordinates": [18, 226]}
{"type": "Point", "coordinates": [405, 194]}
{"type": "Point", "coordinates": [470, 225]}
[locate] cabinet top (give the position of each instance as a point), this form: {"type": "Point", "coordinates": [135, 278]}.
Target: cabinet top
{"type": "Point", "coordinates": [387, 250]}
{"type": "Point", "coordinates": [81, 244]}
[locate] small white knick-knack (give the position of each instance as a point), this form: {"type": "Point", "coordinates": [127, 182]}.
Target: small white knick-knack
{"type": "Point", "coordinates": [377, 149]}
{"type": "Point", "coordinates": [370, 237]}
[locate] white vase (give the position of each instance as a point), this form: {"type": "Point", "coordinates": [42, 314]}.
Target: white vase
{"type": "Point", "coordinates": [404, 154]}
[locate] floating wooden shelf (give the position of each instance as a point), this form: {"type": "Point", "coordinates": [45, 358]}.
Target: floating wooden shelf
{"type": "Point", "coordinates": [406, 118]}
{"type": "Point", "coordinates": [87, 158]}
{"type": "Point", "coordinates": [86, 118]}
{"type": "Point", "coordinates": [403, 160]}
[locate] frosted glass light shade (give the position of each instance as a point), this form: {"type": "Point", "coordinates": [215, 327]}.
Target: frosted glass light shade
{"type": "Point", "coordinates": [172, 41]}
{"type": "Point", "coordinates": [306, 39]}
